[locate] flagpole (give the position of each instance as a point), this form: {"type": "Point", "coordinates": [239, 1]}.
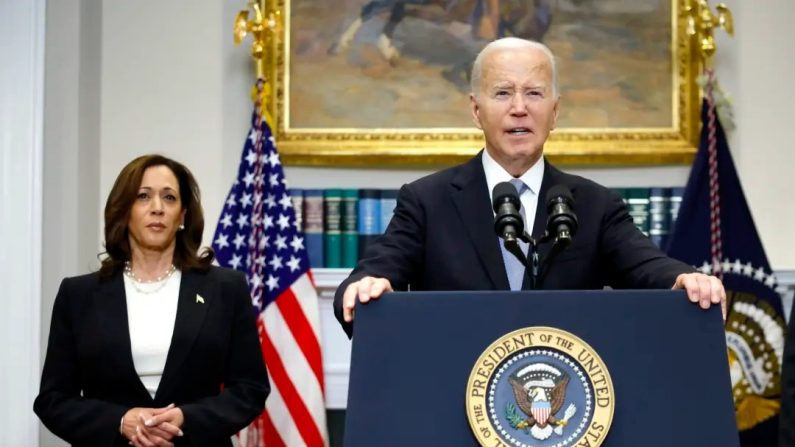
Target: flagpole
{"type": "Point", "coordinates": [269, 248]}
{"type": "Point", "coordinates": [701, 24]}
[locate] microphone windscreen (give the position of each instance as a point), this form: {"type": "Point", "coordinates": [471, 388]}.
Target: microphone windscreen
{"type": "Point", "coordinates": [505, 192]}
{"type": "Point", "coordinates": [558, 192]}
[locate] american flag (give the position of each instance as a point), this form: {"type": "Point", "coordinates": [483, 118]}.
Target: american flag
{"type": "Point", "coordinates": [257, 234]}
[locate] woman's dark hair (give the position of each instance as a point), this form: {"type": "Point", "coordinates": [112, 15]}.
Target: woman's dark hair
{"type": "Point", "coordinates": [117, 215]}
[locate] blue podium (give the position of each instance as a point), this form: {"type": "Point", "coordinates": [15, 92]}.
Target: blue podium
{"type": "Point", "coordinates": [418, 360]}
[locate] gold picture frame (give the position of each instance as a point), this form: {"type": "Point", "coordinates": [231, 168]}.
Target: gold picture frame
{"type": "Point", "coordinates": [673, 142]}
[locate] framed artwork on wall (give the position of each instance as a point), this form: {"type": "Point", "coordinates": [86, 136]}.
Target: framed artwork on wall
{"type": "Point", "coordinates": [386, 82]}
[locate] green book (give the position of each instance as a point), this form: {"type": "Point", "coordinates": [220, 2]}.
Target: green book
{"type": "Point", "coordinates": [332, 230]}
{"type": "Point", "coordinates": [350, 233]}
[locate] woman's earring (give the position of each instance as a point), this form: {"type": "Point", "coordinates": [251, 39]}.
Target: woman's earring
{"type": "Point", "coordinates": [181, 226]}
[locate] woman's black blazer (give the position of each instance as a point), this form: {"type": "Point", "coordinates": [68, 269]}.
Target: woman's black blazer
{"type": "Point", "coordinates": [214, 369]}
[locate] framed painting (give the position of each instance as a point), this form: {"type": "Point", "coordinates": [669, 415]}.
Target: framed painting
{"type": "Point", "coordinates": [386, 82]}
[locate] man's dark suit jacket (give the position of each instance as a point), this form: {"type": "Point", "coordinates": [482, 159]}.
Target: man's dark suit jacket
{"type": "Point", "coordinates": [89, 379]}
{"type": "Point", "coordinates": [442, 237]}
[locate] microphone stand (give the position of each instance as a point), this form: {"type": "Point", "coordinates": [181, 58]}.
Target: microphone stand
{"type": "Point", "coordinates": [513, 247]}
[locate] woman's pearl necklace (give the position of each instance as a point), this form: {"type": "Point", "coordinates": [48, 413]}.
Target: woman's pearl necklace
{"type": "Point", "coordinates": [148, 286]}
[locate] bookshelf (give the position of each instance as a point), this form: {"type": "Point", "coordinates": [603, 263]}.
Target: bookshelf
{"type": "Point", "coordinates": [339, 223]}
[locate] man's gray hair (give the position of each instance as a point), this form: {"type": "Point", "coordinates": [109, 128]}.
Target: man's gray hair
{"type": "Point", "coordinates": [511, 43]}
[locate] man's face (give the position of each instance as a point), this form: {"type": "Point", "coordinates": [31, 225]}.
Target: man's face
{"type": "Point", "coordinates": [515, 106]}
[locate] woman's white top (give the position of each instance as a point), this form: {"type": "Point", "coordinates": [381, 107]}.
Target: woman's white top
{"type": "Point", "coordinates": [151, 312]}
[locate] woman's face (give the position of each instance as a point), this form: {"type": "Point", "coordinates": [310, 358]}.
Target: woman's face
{"type": "Point", "coordinates": [157, 212]}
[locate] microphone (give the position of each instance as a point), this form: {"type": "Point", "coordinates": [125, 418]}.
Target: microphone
{"type": "Point", "coordinates": [562, 222]}
{"type": "Point", "coordinates": [508, 222]}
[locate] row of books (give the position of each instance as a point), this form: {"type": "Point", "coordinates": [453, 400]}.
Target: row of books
{"type": "Point", "coordinates": [339, 224]}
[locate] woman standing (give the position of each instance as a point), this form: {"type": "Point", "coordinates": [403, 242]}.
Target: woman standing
{"type": "Point", "coordinates": [158, 347]}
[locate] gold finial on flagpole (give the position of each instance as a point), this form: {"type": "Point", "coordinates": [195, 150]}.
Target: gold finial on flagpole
{"type": "Point", "coordinates": [265, 28]}
{"type": "Point", "coordinates": [701, 23]}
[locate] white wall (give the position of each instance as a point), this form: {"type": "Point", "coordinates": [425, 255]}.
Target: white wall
{"type": "Point", "coordinates": [21, 113]}
{"type": "Point", "coordinates": [162, 90]}
{"type": "Point", "coordinates": [71, 151]}
{"type": "Point", "coordinates": [757, 68]}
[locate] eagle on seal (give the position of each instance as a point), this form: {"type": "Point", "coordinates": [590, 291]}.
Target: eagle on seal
{"type": "Point", "coordinates": [540, 390]}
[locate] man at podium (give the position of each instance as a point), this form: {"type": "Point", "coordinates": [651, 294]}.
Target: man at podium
{"type": "Point", "coordinates": [442, 235]}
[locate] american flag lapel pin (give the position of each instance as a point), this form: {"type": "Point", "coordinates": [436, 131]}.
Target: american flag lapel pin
{"type": "Point", "coordinates": [199, 299]}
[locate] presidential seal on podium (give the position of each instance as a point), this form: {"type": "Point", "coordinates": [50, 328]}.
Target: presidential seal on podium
{"type": "Point", "coordinates": [540, 387]}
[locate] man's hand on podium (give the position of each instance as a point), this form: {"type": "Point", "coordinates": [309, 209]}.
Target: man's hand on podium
{"type": "Point", "coordinates": [702, 289]}
{"type": "Point", "coordinates": [366, 289]}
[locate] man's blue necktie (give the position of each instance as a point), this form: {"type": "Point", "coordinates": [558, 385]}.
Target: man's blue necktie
{"type": "Point", "coordinates": [513, 266]}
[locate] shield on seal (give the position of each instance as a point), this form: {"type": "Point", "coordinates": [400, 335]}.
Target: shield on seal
{"type": "Point", "coordinates": [540, 412]}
